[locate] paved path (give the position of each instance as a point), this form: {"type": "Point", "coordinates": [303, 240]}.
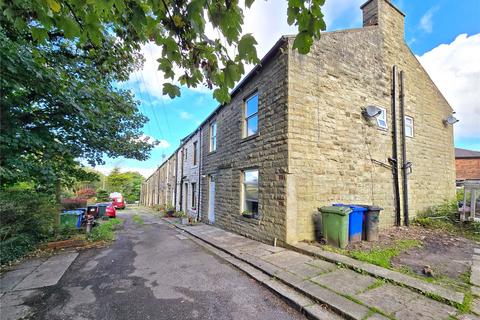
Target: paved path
{"type": "Point", "coordinates": [352, 294]}
{"type": "Point", "coordinates": [150, 272]}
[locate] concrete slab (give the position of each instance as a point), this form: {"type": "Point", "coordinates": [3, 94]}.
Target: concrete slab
{"type": "Point", "coordinates": [475, 306]}
{"type": "Point", "coordinates": [404, 304]}
{"type": "Point", "coordinates": [257, 250]}
{"type": "Point", "coordinates": [345, 281]}
{"type": "Point", "coordinates": [318, 312]}
{"type": "Point", "coordinates": [468, 317]}
{"type": "Point", "coordinates": [475, 274]}
{"type": "Point", "coordinates": [476, 291]}
{"type": "Point", "coordinates": [287, 258]}
{"type": "Point", "coordinates": [394, 276]}
{"type": "Point", "coordinates": [323, 265]}
{"type": "Point", "coordinates": [304, 270]}
{"type": "Point", "coordinates": [30, 263]}
{"type": "Point", "coordinates": [48, 273]}
{"type": "Point", "coordinates": [377, 316]}
{"type": "Point", "coordinates": [10, 279]}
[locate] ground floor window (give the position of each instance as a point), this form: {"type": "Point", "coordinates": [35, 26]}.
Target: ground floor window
{"type": "Point", "coordinates": [250, 192]}
{"type": "Point", "coordinates": [194, 198]}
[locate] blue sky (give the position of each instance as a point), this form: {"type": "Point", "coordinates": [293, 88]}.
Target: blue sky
{"type": "Point", "coordinates": [444, 34]}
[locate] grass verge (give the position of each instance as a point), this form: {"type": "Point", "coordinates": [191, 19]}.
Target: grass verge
{"type": "Point", "coordinates": [105, 231]}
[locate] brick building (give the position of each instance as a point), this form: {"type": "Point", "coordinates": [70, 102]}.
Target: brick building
{"type": "Point", "coordinates": [467, 164]}
{"type": "Point", "coordinates": [295, 136]}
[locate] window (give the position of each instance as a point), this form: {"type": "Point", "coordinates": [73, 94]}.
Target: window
{"type": "Point", "coordinates": [251, 116]}
{"type": "Point", "coordinates": [250, 191]}
{"type": "Point", "coordinates": [186, 152]}
{"type": "Point", "coordinates": [194, 198]}
{"type": "Point", "coordinates": [382, 118]}
{"type": "Point", "coordinates": [195, 153]}
{"type": "Point", "coordinates": [408, 126]}
{"type": "Point", "coordinates": [213, 136]}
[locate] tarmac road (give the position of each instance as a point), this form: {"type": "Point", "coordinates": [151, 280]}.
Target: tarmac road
{"type": "Point", "coordinates": [153, 272]}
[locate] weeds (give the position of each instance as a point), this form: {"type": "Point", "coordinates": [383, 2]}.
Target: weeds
{"type": "Point", "coordinates": [137, 219]}
{"type": "Point", "coordinates": [105, 231]}
{"type": "Point", "coordinates": [382, 257]}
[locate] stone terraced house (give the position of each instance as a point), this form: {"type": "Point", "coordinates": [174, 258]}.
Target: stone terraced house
{"type": "Point", "coordinates": [297, 135]}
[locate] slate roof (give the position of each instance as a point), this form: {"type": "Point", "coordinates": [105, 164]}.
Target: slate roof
{"type": "Point", "coordinates": [464, 153]}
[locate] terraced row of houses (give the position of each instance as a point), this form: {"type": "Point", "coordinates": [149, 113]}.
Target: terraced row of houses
{"type": "Point", "coordinates": [299, 133]}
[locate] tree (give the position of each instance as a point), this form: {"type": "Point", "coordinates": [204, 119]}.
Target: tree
{"type": "Point", "coordinates": [127, 183]}
{"type": "Point", "coordinates": [59, 104]}
{"type": "Point", "coordinates": [178, 26]}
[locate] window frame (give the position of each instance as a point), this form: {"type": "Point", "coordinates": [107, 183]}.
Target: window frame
{"type": "Point", "coordinates": [247, 117]}
{"type": "Point", "coordinates": [411, 126]}
{"type": "Point", "coordinates": [383, 118]}
{"type": "Point", "coordinates": [243, 191]}
{"type": "Point", "coordinates": [195, 153]}
{"type": "Point", "coordinates": [193, 202]}
{"type": "Point", "coordinates": [213, 136]}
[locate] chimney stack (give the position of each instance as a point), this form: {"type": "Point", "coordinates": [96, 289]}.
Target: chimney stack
{"type": "Point", "coordinates": [384, 14]}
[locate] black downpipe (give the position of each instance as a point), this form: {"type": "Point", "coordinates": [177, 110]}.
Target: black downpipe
{"type": "Point", "coordinates": [394, 159]}
{"type": "Point", "coordinates": [405, 165]}
{"type": "Point", "coordinates": [199, 172]}
{"type": "Point", "coordinates": [181, 182]}
{"type": "Point", "coordinates": [175, 184]}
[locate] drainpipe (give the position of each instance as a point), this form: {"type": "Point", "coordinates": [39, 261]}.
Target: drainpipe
{"type": "Point", "coordinates": [405, 164]}
{"type": "Point", "coordinates": [175, 184]}
{"type": "Point", "coordinates": [199, 171]}
{"type": "Point", "coordinates": [394, 160]}
{"type": "Point", "coordinates": [181, 182]}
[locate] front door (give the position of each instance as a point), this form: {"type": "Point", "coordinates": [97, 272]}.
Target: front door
{"type": "Point", "coordinates": [211, 199]}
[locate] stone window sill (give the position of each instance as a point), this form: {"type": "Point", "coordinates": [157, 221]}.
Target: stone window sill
{"type": "Point", "coordinates": [252, 137]}
{"type": "Point", "coordinates": [254, 221]}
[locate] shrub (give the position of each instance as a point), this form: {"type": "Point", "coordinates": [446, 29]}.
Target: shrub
{"type": "Point", "coordinates": [26, 218]}
{"type": "Point", "coordinates": [86, 193]}
{"type": "Point", "coordinates": [103, 196]}
{"type": "Point", "coordinates": [73, 203]}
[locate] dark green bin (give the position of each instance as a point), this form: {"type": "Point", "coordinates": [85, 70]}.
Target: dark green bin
{"type": "Point", "coordinates": [335, 225]}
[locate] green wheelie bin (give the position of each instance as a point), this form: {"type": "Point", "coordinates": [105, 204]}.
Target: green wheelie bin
{"type": "Point", "coordinates": [335, 225]}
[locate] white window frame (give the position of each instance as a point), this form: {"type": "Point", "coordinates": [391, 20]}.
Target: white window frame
{"type": "Point", "coordinates": [213, 136]}
{"type": "Point", "coordinates": [194, 198]}
{"type": "Point", "coordinates": [243, 195]}
{"type": "Point", "coordinates": [246, 118]}
{"type": "Point", "coordinates": [195, 153]}
{"type": "Point", "coordinates": [382, 117]}
{"type": "Point", "coordinates": [409, 125]}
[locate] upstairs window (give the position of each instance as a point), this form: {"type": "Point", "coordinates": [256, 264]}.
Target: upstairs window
{"type": "Point", "coordinates": [195, 151]}
{"type": "Point", "coordinates": [382, 119]}
{"type": "Point", "coordinates": [408, 126]}
{"type": "Point", "coordinates": [250, 125]}
{"type": "Point", "coordinates": [213, 136]}
{"type": "Point", "coordinates": [250, 191]}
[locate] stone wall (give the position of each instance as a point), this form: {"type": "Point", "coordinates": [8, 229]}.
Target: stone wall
{"type": "Point", "coordinates": [266, 151]}
{"type": "Point", "coordinates": [338, 156]}
{"type": "Point", "coordinates": [468, 168]}
{"type": "Point", "coordinates": [188, 173]}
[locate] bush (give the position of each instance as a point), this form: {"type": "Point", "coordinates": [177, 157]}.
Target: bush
{"type": "Point", "coordinates": [103, 196]}
{"type": "Point", "coordinates": [86, 193]}
{"type": "Point", "coordinates": [73, 203]}
{"type": "Point", "coordinates": [26, 218]}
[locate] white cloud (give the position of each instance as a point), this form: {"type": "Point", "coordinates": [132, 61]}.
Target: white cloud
{"type": "Point", "coordinates": [455, 69]}
{"type": "Point", "coordinates": [426, 22]}
{"type": "Point", "coordinates": [158, 144]}
{"type": "Point", "coordinates": [186, 115]}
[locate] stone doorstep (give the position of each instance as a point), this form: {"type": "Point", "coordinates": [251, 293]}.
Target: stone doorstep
{"type": "Point", "coordinates": [340, 304]}
{"type": "Point", "coordinates": [396, 277]}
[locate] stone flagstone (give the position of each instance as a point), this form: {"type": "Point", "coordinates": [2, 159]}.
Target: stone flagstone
{"type": "Point", "coordinates": [345, 281]}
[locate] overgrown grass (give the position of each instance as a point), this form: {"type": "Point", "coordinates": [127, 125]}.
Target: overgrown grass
{"type": "Point", "coordinates": [383, 256]}
{"type": "Point", "coordinates": [137, 219]}
{"type": "Point", "coordinates": [105, 231]}
{"type": "Point", "coordinates": [445, 217]}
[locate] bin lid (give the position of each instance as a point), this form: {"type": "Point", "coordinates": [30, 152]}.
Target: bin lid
{"type": "Point", "coordinates": [374, 208]}
{"type": "Point", "coordinates": [340, 210]}
{"type": "Point", "coordinates": [357, 208]}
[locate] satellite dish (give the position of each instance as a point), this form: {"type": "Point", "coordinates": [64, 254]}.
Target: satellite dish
{"type": "Point", "coordinates": [372, 111]}
{"type": "Point", "coordinates": [451, 120]}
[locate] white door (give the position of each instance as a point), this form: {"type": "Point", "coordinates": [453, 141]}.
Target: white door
{"type": "Point", "coordinates": [211, 199]}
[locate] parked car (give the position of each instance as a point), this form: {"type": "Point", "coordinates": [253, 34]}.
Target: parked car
{"type": "Point", "coordinates": [118, 200]}
{"type": "Point", "coordinates": [106, 209]}
{"type": "Point", "coordinates": [111, 212]}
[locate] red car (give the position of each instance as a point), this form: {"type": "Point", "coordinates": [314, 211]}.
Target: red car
{"type": "Point", "coordinates": [118, 202]}
{"type": "Point", "coordinates": [110, 211]}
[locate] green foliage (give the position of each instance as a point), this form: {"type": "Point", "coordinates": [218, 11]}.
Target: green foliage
{"type": "Point", "coordinates": [58, 105]}
{"type": "Point", "coordinates": [180, 214]}
{"type": "Point", "coordinates": [137, 219]}
{"type": "Point", "coordinates": [129, 184]}
{"type": "Point", "coordinates": [382, 257]}
{"type": "Point", "coordinates": [26, 218]}
{"type": "Point", "coordinates": [102, 196]}
{"type": "Point", "coordinates": [105, 231]}
{"type": "Point", "coordinates": [178, 26]}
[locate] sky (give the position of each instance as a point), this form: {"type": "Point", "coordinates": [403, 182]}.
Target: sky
{"type": "Point", "coordinates": [443, 34]}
